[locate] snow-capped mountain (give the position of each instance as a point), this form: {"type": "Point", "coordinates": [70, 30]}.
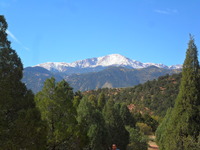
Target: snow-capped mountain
{"type": "Point", "coordinates": [176, 67]}
{"type": "Point", "coordinates": [102, 62]}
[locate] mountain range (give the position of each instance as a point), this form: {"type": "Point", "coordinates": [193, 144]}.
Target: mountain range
{"type": "Point", "coordinates": [108, 71]}
{"type": "Point", "coordinates": [100, 63]}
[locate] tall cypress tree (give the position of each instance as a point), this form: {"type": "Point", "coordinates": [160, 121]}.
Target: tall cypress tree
{"type": "Point", "coordinates": [20, 122]}
{"type": "Point", "coordinates": [183, 129]}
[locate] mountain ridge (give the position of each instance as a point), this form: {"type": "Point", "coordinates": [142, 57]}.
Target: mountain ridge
{"type": "Point", "coordinates": [111, 77]}
{"type": "Point", "coordinates": [109, 71]}
{"type": "Point", "coordinates": [100, 63]}
{"type": "Point", "coordinates": [116, 77]}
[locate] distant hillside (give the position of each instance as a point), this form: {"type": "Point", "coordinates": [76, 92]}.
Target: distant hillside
{"type": "Point", "coordinates": [111, 77]}
{"type": "Point", "coordinates": [34, 77]}
{"type": "Point", "coordinates": [114, 77]}
{"type": "Point", "coordinates": [156, 95]}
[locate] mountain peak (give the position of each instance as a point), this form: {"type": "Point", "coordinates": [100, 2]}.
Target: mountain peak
{"type": "Point", "coordinates": [102, 62]}
{"type": "Point", "coordinates": [115, 56]}
{"type": "Point", "coordinates": [113, 59]}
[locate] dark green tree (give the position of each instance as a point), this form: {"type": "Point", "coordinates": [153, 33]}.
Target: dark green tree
{"type": "Point", "coordinates": [161, 132]}
{"type": "Point", "coordinates": [183, 129]}
{"type": "Point", "coordinates": [20, 121]}
{"type": "Point", "coordinates": [101, 100]}
{"type": "Point", "coordinates": [137, 141]}
{"type": "Point", "coordinates": [77, 97]}
{"type": "Point", "coordinates": [92, 100]}
{"type": "Point", "coordinates": [126, 116]}
{"type": "Point", "coordinates": [56, 107]}
{"type": "Point", "coordinates": [150, 122]}
{"type": "Point", "coordinates": [117, 132]}
{"type": "Point", "coordinates": [93, 124]}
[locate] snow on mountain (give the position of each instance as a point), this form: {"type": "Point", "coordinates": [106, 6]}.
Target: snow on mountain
{"type": "Point", "coordinates": [176, 67]}
{"type": "Point", "coordinates": [55, 66]}
{"type": "Point", "coordinates": [157, 65]}
{"type": "Point", "coordinates": [105, 61]}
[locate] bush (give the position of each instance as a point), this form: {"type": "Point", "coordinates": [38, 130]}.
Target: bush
{"type": "Point", "coordinates": [137, 140]}
{"type": "Point", "coordinates": [144, 128]}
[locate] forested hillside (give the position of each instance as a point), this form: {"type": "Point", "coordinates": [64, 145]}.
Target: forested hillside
{"type": "Point", "coordinates": [114, 77]}
{"type": "Point", "coordinates": [111, 77]}
{"type": "Point", "coordinates": [157, 95]}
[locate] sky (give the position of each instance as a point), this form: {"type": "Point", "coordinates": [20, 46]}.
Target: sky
{"type": "Point", "coordinates": [154, 31]}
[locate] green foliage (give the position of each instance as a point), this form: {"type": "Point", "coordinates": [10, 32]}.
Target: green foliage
{"type": "Point", "coordinates": [183, 125]}
{"type": "Point", "coordinates": [92, 100]}
{"type": "Point", "coordinates": [76, 101]}
{"type": "Point", "coordinates": [137, 141]}
{"type": "Point", "coordinates": [150, 122]}
{"type": "Point", "coordinates": [55, 105]}
{"type": "Point", "coordinates": [101, 101]}
{"type": "Point", "coordinates": [126, 116]}
{"type": "Point", "coordinates": [93, 125]}
{"type": "Point", "coordinates": [117, 132]}
{"type": "Point", "coordinates": [144, 128]}
{"type": "Point", "coordinates": [77, 98]}
{"type": "Point", "coordinates": [20, 121]}
{"type": "Point", "coordinates": [161, 132]}
{"type": "Point", "coordinates": [151, 97]}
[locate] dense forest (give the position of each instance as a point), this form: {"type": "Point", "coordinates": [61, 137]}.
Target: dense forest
{"type": "Point", "coordinates": [57, 118]}
{"type": "Point", "coordinates": [157, 95]}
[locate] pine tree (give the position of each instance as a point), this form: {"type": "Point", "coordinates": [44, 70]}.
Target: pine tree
{"type": "Point", "coordinates": [117, 132]}
{"type": "Point", "coordinates": [92, 100]}
{"type": "Point", "coordinates": [93, 125]}
{"type": "Point", "coordinates": [20, 122]}
{"type": "Point", "coordinates": [56, 107]}
{"type": "Point", "coordinates": [183, 129]}
{"type": "Point", "coordinates": [161, 132]}
{"type": "Point", "coordinates": [126, 116]}
{"type": "Point", "coordinates": [137, 140]}
{"type": "Point", "coordinates": [77, 98]}
{"type": "Point", "coordinates": [101, 100]}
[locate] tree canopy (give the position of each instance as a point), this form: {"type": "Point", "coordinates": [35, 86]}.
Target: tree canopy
{"type": "Point", "coordinates": [20, 121]}
{"type": "Point", "coordinates": [56, 107]}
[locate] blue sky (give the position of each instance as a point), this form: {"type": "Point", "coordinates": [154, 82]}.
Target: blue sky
{"type": "Point", "coordinates": [68, 30]}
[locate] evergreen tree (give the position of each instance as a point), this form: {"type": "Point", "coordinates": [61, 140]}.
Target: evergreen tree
{"type": "Point", "coordinates": [161, 132]}
{"type": "Point", "coordinates": [20, 121]}
{"type": "Point", "coordinates": [55, 104]}
{"type": "Point", "coordinates": [101, 100]}
{"type": "Point", "coordinates": [137, 141]}
{"type": "Point", "coordinates": [126, 116]}
{"type": "Point", "coordinates": [77, 98]}
{"type": "Point", "coordinates": [92, 100]}
{"type": "Point", "coordinates": [117, 132]}
{"type": "Point", "coordinates": [150, 122]}
{"type": "Point", "coordinates": [183, 125]}
{"type": "Point", "coordinates": [93, 124]}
